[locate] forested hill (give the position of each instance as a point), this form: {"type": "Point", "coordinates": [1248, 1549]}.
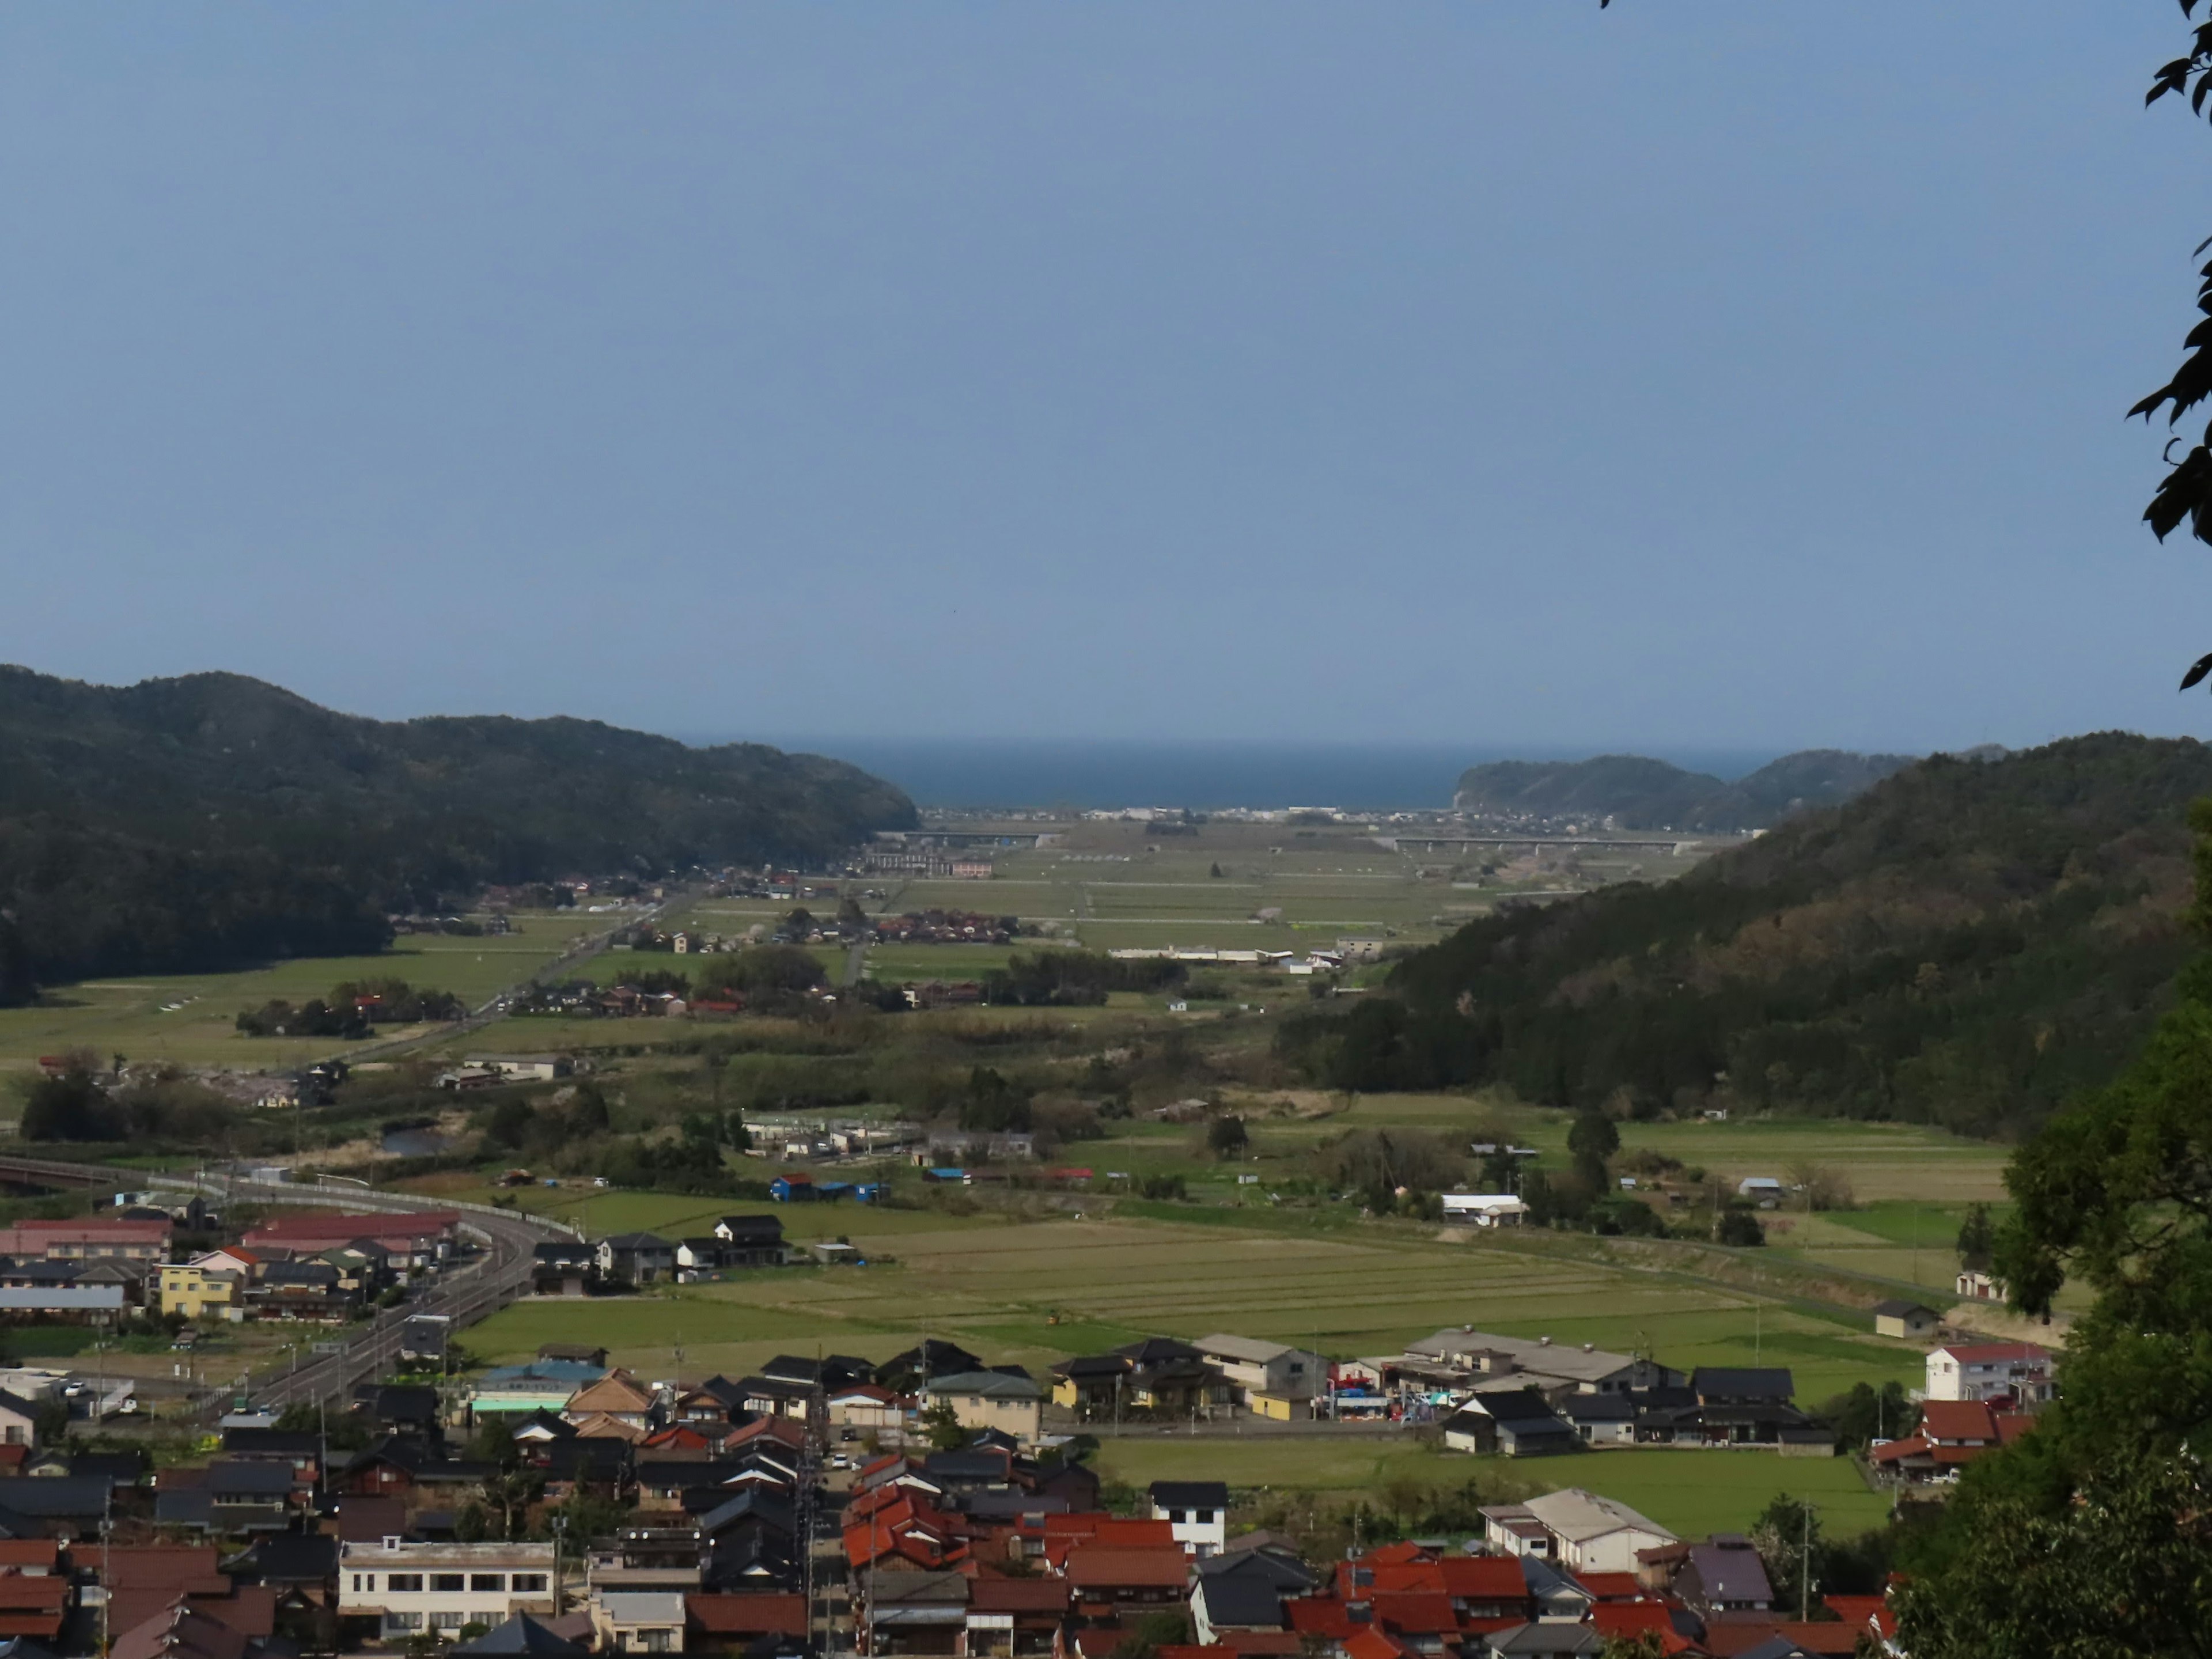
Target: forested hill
{"type": "Point", "coordinates": [1639, 793]}
{"type": "Point", "coordinates": [1967, 943]}
{"type": "Point", "coordinates": [194, 822]}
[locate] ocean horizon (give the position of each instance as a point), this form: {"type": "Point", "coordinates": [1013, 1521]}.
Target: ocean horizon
{"type": "Point", "coordinates": [1200, 776]}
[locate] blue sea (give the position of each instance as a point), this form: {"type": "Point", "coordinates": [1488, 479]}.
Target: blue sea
{"type": "Point", "coordinates": [1202, 776]}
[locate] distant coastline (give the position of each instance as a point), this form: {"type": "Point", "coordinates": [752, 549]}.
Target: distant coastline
{"type": "Point", "coordinates": [1198, 776]}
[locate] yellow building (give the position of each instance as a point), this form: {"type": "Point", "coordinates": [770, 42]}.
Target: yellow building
{"type": "Point", "coordinates": [200, 1291]}
{"type": "Point", "coordinates": [990, 1399]}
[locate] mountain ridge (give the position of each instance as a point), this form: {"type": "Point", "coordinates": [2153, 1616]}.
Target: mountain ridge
{"type": "Point", "coordinates": [197, 822]}
{"type": "Point", "coordinates": [1638, 793]}
{"type": "Point", "coordinates": [1968, 943]}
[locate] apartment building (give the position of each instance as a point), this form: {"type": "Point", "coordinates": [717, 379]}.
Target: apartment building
{"type": "Point", "coordinates": [414, 1589]}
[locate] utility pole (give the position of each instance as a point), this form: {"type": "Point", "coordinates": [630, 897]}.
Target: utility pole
{"type": "Point", "coordinates": [560, 1531]}
{"type": "Point", "coordinates": [1805, 1570]}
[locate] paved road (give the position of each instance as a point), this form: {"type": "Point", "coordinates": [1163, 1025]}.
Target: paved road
{"type": "Point", "coordinates": [466, 1294]}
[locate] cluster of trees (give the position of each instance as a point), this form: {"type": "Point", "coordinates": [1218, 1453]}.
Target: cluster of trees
{"type": "Point", "coordinates": [574, 1132]}
{"type": "Point", "coordinates": [771, 978]}
{"type": "Point", "coordinates": [204, 822]}
{"type": "Point", "coordinates": [2090, 1535]}
{"type": "Point", "coordinates": [83, 1102]}
{"type": "Point", "coordinates": [994, 1105]}
{"type": "Point", "coordinates": [1970, 943]}
{"type": "Point", "coordinates": [313, 1017]}
{"type": "Point", "coordinates": [1074, 978]}
{"type": "Point", "coordinates": [352, 1009]}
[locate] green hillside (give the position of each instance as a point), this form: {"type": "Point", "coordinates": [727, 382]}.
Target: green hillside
{"type": "Point", "coordinates": [1967, 943]}
{"type": "Point", "coordinates": [194, 823]}
{"type": "Point", "coordinates": [1639, 793]}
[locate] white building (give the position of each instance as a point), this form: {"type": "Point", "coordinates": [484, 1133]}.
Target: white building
{"type": "Point", "coordinates": [2020, 1371]}
{"type": "Point", "coordinates": [413, 1589]}
{"type": "Point", "coordinates": [1538, 1361]}
{"type": "Point", "coordinates": [639, 1621]}
{"type": "Point", "coordinates": [1196, 1511]}
{"type": "Point", "coordinates": [1486, 1209]}
{"type": "Point", "coordinates": [1575, 1529]}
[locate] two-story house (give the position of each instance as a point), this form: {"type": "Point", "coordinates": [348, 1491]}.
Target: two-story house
{"type": "Point", "coordinates": [201, 1289]}
{"type": "Point", "coordinates": [2019, 1372]}
{"type": "Point", "coordinates": [640, 1258]}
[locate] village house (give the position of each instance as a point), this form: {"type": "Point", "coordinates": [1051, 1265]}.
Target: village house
{"type": "Point", "coordinates": [566, 1268]}
{"type": "Point", "coordinates": [1575, 1529]}
{"type": "Point", "coordinates": [617, 1395]}
{"type": "Point", "coordinates": [990, 1399]}
{"type": "Point", "coordinates": [1275, 1378]}
{"type": "Point", "coordinates": [2018, 1372]}
{"type": "Point", "coordinates": [200, 1289]}
{"type": "Point", "coordinates": [640, 1258]}
{"type": "Point", "coordinates": [1196, 1511]}
{"type": "Point", "coordinates": [1510, 1423]}
{"type": "Point", "coordinates": [1486, 1209]}
{"type": "Point", "coordinates": [1952, 1433]}
{"type": "Point", "coordinates": [1910, 1319]}
{"type": "Point", "coordinates": [88, 1241]}
{"type": "Point", "coordinates": [751, 1241]}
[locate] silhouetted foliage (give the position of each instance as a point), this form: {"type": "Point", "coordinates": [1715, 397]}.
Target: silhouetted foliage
{"type": "Point", "coordinates": [1074, 978]}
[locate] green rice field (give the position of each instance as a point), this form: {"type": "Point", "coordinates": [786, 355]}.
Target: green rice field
{"type": "Point", "coordinates": [188, 1017]}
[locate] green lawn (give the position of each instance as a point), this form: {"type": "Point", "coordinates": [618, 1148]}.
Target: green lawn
{"type": "Point", "coordinates": [1032, 1292]}
{"type": "Point", "coordinates": [189, 1018]}
{"type": "Point", "coordinates": [1689, 1492]}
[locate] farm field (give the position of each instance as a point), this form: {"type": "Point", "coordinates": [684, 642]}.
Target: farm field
{"type": "Point", "coordinates": [1031, 1292]}
{"type": "Point", "coordinates": [188, 1017]}
{"type": "Point", "coordinates": [1692, 1492]}
{"type": "Point", "coordinates": [1114, 885]}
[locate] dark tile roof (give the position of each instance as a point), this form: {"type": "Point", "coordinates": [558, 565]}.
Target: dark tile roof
{"type": "Point", "coordinates": [1241, 1599]}
{"type": "Point", "coordinates": [1516, 1406]}
{"type": "Point", "coordinates": [289, 1558]}
{"type": "Point", "coordinates": [1191, 1494]}
{"type": "Point", "coordinates": [54, 1497]}
{"type": "Point", "coordinates": [242, 1478]}
{"type": "Point", "coordinates": [523, 1635]}
{"type": "Point", "coordinates": [1742, 1383]}
{"type": "Point", "coordinates": [271, 1443]}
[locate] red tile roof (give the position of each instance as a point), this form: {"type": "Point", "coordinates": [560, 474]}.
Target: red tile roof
{"type": "Point", "coordinates": [1017, 1594]}
{"type": "Point", "coordinates": [1317, 1615]}
{"type": "Point", "coordinates": [1262, 1643]}
{"type": "Point", "coordinates": [1612, 1586]}
{"type": "Point", "coordinates": [1105, 1566]}
{"type": "Point", "coordinates": [1372, 1644]}
{"type": "Point", "coordinates": [1958, 1420]}
{"type": "Point", "coordinates": [1415, 1613]}
{"type": "Point", "coordinates": [746, 1615]}
{"type": "Point", "coordinates": [1483, 1578]}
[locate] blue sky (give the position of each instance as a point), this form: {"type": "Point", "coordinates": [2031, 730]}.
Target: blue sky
{"type": "Point", "coordinates": [1691, 375]}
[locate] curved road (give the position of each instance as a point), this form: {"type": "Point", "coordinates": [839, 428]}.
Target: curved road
{"type": "Point", "coordinates": [472, 1291]}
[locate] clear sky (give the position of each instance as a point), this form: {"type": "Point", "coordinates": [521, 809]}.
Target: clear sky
{"type": "Point", "coordinates": [1726, 375]}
